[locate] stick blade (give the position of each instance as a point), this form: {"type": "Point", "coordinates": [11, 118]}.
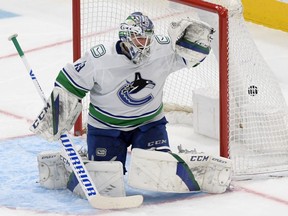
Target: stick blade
{"type": "Point", "coordinates": [103, 202]}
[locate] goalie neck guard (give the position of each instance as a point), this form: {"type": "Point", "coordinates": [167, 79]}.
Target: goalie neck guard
{"type": "Point", "coordinates": [137, 33]}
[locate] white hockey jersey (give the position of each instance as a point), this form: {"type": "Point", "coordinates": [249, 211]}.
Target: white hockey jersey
{"type": "Point", "coordinates": [123, 95]}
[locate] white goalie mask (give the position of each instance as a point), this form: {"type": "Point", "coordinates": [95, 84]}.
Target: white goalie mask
{"type": "Point", "coordinates": [137, 33]}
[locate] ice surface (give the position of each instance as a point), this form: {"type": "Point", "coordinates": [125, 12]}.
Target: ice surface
{"type": "Point", "coordinates": [44, 29]}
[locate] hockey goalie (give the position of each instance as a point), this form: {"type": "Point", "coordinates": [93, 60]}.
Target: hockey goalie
{"type": "Point", "coordinates": [125, 79]}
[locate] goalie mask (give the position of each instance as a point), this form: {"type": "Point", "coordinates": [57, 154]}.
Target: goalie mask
{"type": "Point", "coordinates": [137, 34]}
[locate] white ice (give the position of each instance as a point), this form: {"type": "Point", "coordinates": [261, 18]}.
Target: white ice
{"type": "Point", "coordinates": [44, 29]}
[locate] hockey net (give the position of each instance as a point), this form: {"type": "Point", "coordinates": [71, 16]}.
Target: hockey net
{"type": "Point", "coordinates": [253, 117]}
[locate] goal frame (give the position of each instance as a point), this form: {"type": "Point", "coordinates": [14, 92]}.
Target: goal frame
{"type": "Point", "coordinates": [222, 13]}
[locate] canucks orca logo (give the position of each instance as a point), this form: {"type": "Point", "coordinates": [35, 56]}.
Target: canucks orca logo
{"type": "Point", "coordinates": [125, 92]}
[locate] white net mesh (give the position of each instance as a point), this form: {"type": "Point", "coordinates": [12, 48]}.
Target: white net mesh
{"type": "Point", "coordinates": [258, 130]}
{"type": "Point", "coordinates": [258, 127]}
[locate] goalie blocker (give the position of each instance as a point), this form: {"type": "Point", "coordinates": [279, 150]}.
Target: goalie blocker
{"type": "Point", "coordinates": [58, 116]}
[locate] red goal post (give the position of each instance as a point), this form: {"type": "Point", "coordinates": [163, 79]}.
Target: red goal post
{"type": "Point", "coordinates": [252, 117]}
{"type": "Point", "coordinates": [76, 20]}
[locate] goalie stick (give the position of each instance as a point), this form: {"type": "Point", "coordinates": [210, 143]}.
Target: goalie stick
{"type": "Point", "coordinates": [95, 199]}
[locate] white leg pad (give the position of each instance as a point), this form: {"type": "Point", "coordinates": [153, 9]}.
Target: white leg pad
{"type": "Point", "coordinates": [213, 173]}
{"type": "Point", "coordinates": [159, 171]}
{"type": "Point", "coordinates": [52, 171]}
{"type": "Point", "coordinates": [107, 177]}
{"type": "Point", "coordinates": [156, 171]}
